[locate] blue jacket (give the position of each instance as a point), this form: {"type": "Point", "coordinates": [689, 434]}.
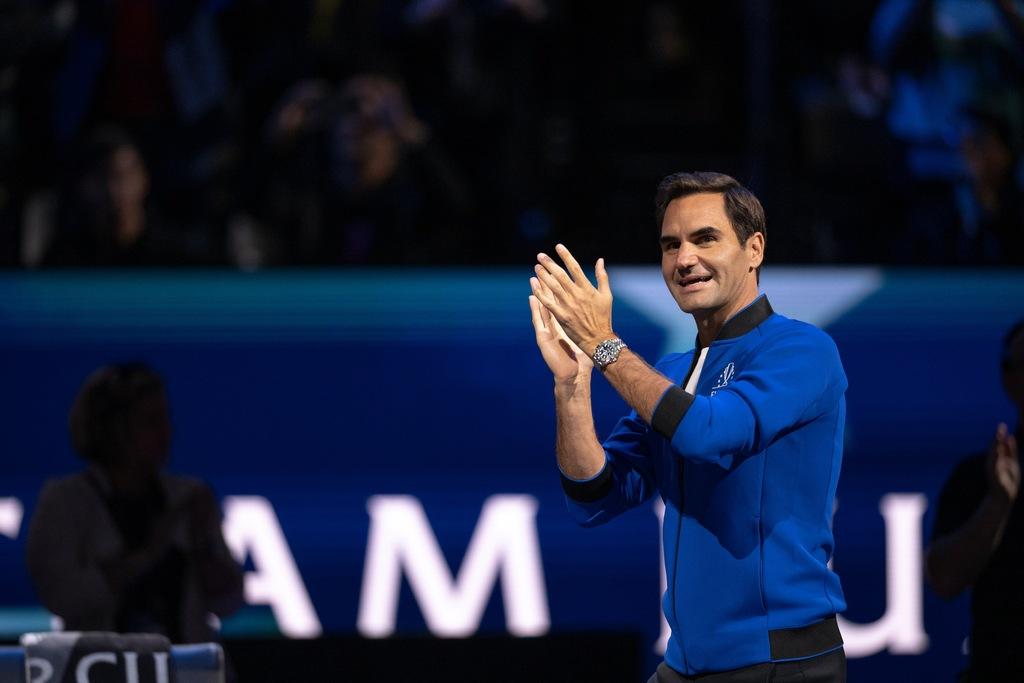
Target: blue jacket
{"type": "Point", "coordinates": [747, 465]}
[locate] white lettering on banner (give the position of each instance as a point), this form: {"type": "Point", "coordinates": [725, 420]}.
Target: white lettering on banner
{"type": "Point", "coordinates": [666, 631]}
{"type": "Point", "coordinates": [11, 512]}
{"type": "Point", "coordinates": [87, 662]}
{"type": "Point", "coordinates": [505, 539]}
{"type": "Point", "coordinates": [38, 670]}
{"type": "Point", "coordinates": [131, 667]}
{"type": "Point", "coordinates": [160, 668]}
{"type": "Point", "coordinates": [901, 628]}
{"type": "Point", "coordinates": [251, 529]}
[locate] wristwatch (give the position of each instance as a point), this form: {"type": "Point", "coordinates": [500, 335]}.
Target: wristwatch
{"type": "Point", "coordinates": [607, 352]}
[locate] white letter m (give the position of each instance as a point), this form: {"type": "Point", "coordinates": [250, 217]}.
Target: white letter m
{"type": "Point", "coordinates": [505, 540]}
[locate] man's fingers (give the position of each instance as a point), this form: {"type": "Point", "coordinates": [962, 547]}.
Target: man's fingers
{"type": "Point", "coordinates": [554, 286]}
{"type": "Point", "coordinates": [539, 292]}
{"type": "Point", "coordinates": [548, 321]}
{"type": "Point", "coordinates": [550, 324]}
{"type": "Point", "coordinates": [572, 265]}
{"type": "Point", "coordinates": [602, 277]}
{"type": "Point", "coordinates": [556, 327]}
{"type": "Point", "coordinates": [535, 315]}
{"type": "Point", "coordinates": [542, 292]}
{"type": "Point", "coordinates": [547, 264]}
{"type": "Point", "coordinates": [538, 289]}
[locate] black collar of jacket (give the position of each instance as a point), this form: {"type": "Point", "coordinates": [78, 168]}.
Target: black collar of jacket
{"type": "Point", "coordinates": [746, 320]}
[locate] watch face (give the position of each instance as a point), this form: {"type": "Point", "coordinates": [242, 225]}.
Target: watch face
{"type": "Point", "coordinates": [607, 352]}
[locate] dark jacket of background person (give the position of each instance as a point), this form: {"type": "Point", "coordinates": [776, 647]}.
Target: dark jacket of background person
{"type": "Point", "coordinates": [997, 595]}
{"type": "Point", "coordinates": [978, 539]}
{"type": "Point", "coordinates": [124, 546]}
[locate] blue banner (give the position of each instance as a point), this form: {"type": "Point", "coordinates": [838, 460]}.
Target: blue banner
{"type": "Point", "coordinates": [382, 441]}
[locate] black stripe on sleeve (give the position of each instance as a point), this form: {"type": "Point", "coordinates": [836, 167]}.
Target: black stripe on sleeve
{"type": "Point", "coordinates": [670, 411]}
{"type": "Point", "coordinates": [589, 490]}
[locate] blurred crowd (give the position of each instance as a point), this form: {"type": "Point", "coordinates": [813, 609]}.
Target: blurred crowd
{"type": "Point", "coordinates": [260, 133]}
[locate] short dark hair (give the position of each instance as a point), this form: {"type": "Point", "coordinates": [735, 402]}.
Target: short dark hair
{"type": "Point", "coordinates": [104, 403]}
{"type": "Point", "coordinates": [741, 206]}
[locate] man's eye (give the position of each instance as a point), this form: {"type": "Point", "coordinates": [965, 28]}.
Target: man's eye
{"type": "Point", "coordinates": [704, 239]}
{"type": "Point", "coordinates": [670, 247]}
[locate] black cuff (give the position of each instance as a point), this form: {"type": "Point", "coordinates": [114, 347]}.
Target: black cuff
{"type": "Point", "coordinates": [589, 490]}
{"type": "Point", "coordinates": [670, 411]}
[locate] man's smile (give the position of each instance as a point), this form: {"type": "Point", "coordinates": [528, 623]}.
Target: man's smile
{"type": "Point", "coordinates": [690, 283]}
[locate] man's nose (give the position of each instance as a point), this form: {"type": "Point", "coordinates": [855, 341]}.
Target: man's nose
{"type": "Point", "coordinates": [686, 257]}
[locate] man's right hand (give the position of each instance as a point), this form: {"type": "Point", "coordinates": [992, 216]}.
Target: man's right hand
{"type": "Point", "coordinates": [567, 362]}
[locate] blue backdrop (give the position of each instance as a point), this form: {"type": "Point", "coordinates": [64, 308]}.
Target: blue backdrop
{"type": "Point", "coordinates": [315, 391]}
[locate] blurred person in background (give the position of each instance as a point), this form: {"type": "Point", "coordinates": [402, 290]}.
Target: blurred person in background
{"type": "Point", "coordinates": [990, 203]}
{"type": "Point", "coordinates": [354, 177]}
{"type": "Point", "coordinates": [157, 70]}
{"type": "Point", "coordinates": [31, 36]}
{"type": "Point", "coordinates": [978, 539]}
{"type": "Point", "coordinates": [979, 218]}
{"type": "Point", "coordinates": [495, 79]}
{"type": "Point", "coordinates": [123, 545]}
{"type": "Point", "coordinates": [109, 219]}
{"type": "Point", "coordinates": [947, 59]}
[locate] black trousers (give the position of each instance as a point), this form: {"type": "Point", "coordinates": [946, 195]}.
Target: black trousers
{"type": "Point", "coordinates": [826, 668]}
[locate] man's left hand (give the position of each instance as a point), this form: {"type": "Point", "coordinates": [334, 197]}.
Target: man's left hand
{"type": "Point", "coordinates": [583, 311]}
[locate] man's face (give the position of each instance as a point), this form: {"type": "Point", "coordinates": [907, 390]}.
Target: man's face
{"type": "Point", "coordinates": [703, 263]}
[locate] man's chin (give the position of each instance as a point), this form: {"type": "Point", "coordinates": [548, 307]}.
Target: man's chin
{"type": "Point", "coordinates": [692, 303]}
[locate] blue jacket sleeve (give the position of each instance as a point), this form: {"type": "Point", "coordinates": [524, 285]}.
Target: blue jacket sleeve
{"type": "Point", "coordinates": [789, 379]}
{"type": "Point", "coordinates": [627, 479]}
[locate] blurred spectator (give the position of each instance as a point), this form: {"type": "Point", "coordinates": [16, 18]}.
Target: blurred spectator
{"type": "Point", "coordinates": [991, 204]}
{"type": "Point", "coordinates": [978, 539]}
{"type": "Point", "coordinates": [109, 219]}
{"type": "Point", "coordinates": [842, 156]}
{"type": "Point", "coordinates": [244, 134]}
{"type": "Point", "coordinates": [489, 76]}
{"type": "Point", "coordinates": [31, 34]}
{"type": "Point", "coordinates": [156, 69]}
{"type": "Point", "coordinates": [355, 177]}
{"type": "Point", "coordinates": [979, 218]}
{"type": "Point", "coordinates": [948, 58]}
{"type": "Point", "coordinates": [123, 545]}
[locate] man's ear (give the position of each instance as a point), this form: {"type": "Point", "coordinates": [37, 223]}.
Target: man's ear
{"type": "Point", "coordinates": [755, 249]}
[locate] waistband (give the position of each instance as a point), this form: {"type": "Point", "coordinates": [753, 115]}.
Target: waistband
{"type": "Point", "coordinates": [805, 641]}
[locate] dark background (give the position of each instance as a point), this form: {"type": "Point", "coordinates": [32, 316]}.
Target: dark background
{"type": "Point", "coordinates": [295, 302]}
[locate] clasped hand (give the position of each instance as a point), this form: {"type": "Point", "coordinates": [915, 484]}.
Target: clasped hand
{"type": "Point", "coordinates": [569, 312]}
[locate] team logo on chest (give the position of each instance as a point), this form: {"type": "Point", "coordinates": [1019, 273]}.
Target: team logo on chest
{"type": "Point", "coordinates": [723, 379]}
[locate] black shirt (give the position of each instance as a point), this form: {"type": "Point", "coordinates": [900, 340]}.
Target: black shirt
{"type": "Point", "coordinates": [997, 598]}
